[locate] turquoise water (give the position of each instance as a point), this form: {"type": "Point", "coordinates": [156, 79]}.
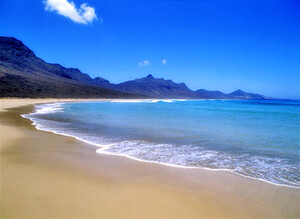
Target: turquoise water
{"type": "Point", "coordinates": [259, 139]}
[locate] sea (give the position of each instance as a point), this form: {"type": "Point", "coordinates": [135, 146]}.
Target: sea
{"type": "Point", "coordinates": [253, 138]}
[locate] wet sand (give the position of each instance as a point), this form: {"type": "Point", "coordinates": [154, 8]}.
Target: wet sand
{"type": "Point", "coordinates": [44, 175]}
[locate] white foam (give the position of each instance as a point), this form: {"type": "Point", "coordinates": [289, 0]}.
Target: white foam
{"type": "Point", "coordinates": [148, 100]}
{"type": "Point", "coordinates": [130, 149]}
{"type": "Point", "coordinates": [47, 108]}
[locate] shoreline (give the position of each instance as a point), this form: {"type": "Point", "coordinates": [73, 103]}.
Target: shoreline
{"type": "Point", "coordinates": [174, 192]}
{"type": "Point", "coordinates": [101, 148]}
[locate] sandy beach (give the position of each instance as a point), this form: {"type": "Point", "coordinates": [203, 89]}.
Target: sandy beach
{"type": "Point", "coordinates": [44, 175]}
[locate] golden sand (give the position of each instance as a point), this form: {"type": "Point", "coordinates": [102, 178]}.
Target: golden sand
{"type": "Point", "coordinates": [44, 175]}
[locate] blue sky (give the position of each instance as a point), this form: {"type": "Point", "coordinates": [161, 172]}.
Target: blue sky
{"type": "Point", "coordinates": [215, 45]}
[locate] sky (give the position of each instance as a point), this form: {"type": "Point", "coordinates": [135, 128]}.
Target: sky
{"type": "Point", "coordinates": [253, 45]}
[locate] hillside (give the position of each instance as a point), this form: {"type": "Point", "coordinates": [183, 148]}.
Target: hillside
{"type": "Point", "coordinates": [23, 74]}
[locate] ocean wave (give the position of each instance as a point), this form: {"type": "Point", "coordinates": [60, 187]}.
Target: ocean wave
{"type": "Point", "coordinates": [278, 171]}
{"type": "Point", "coordinates": [148, 101]}
{"type": "Point", "coordinates": [260, 167]}
{"type": "Point", "coordinates": [47, 108]}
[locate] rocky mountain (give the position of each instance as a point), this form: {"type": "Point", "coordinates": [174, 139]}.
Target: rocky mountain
{"type": "Point", "coordinates": [206, 94]}
{"type": "Point", "coordinates": [23, 74]}
{"type": "Point", "coordinates": [239, 94]}
{"type": "Point", "coordinates": [156, 87]}
{"type": "Point", "coordinates": [161, 88]}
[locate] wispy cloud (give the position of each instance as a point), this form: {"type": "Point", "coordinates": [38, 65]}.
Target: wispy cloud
{"type": "Point", "coordinates": [144, 63]}
{"type": "Point", "coordinates": [164, 61]}
{"type": "Point", "coordinates": [84, 15]}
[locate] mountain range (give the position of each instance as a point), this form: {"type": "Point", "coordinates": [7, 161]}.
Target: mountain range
{"type": "Point", "coordinates": [23, 74]}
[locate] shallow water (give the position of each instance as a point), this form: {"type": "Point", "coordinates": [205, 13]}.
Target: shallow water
{"type": "Point", "coordinates": [259, 139]}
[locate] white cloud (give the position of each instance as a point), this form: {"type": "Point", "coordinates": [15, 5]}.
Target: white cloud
{"type": "Point", "coordinates": [84, 15]}
{"type": "Point", "coordinates": [144, 63]}
{"type": "Point", "coordinates": [164, 61]}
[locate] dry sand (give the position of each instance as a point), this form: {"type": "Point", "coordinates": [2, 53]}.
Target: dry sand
{"type": "Point", "coordinates": [44, 175]}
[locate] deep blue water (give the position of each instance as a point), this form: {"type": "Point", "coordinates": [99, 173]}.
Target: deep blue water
{"type": "Point", "coordinates": [260, 139]}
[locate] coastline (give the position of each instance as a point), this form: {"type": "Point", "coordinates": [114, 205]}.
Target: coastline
{"type": "Point", "coordinates": [59, 176]}
{"type": "Point", "coordinates": [102, 148]}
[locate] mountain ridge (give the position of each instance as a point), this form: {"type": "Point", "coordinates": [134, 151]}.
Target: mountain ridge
{"type": "Point", "coordinates": [23, 74]}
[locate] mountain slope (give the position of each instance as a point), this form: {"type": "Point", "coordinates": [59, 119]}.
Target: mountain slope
{"type": "Point", "coordinates": [156, 87]}
{"type": "Point", "coordinates": [161, 88]}
{"type": "Point", "coordinates": [23, 74]}
{"type": "Point", "coordinates": [239, 94]}
{"type": "Point", "coordinates": [205, 94]}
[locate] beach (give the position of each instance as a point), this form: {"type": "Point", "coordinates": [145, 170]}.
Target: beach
{"type": "Point", "coordinates": [44, 175]}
